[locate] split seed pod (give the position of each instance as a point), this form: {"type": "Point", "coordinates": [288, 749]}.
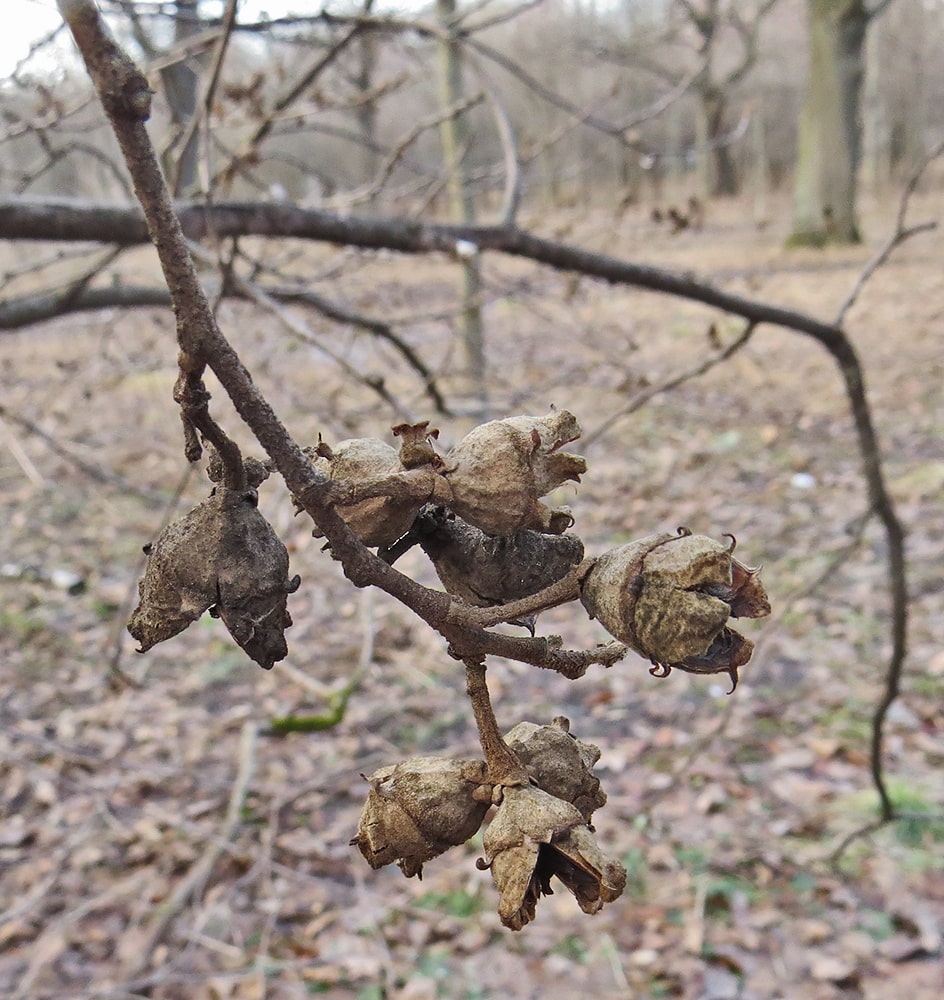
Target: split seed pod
{"type": "Point", "coordinates": [223, 557]}
{"type": "Point", "coordinates": [559, 763]}
{"type": "Point", "coordinates": [669, 597]}
{"type": "Point", "coordinates": [535, 836]}
{"type": "Point", "coordinates": [499, 471]}
{"type": "Point", "coordinates": [419, 808]}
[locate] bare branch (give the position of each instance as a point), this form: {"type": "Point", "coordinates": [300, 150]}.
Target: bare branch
{"type": "Point", "coordinates": [126, 99]}
{"type": "Point", "coordinates": [901, 233]}
{"type": "Point", "coordinates": [673, 383]}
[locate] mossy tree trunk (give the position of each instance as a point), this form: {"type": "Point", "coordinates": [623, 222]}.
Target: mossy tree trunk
{"type": "Point", "coordinates": [830, 129]}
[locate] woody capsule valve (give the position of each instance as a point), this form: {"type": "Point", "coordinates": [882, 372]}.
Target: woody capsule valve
{"type": "Point", "coordinates": [499, 471]}
{"type": "Point", "coordinates": [670, 596]}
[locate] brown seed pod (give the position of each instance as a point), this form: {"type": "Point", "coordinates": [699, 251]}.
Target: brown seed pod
{"type": "Point", "coordinates": [223, 557]}
{"type": "Point", "coordinates": [559, 763]}
{"type": "Point", "coordinates": [499, 471]}
{"type": "Point", "coordinates": [669, 597]}
{"type": "Point", "coordinates": [419, 808]}
{"type": "Point", "coordinates": [377, 520]}
{"type": "Point", "coordinates": [487, 570]}
{"type": "Point", "coordinates": [534, 837]}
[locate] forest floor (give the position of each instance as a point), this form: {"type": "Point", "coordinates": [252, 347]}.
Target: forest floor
{"type": "Point", "coordinates": [155, 842]}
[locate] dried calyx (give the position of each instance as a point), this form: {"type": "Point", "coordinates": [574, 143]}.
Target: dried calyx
{"type": "Point", "coordinates": [535, 837]}
{"type": "Point", "coordinates": [499, 471]}
{"type": "Point", "coordinates": [225, 558]}
{"type": "Point", "coordinates": [670, 596]}
{"type": "Point", "coordinates": [419, 808]}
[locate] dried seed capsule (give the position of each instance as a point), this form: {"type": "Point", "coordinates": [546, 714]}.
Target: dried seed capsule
{"type": "Point", "coordinates": [669, 597]}
{"type": "Point", "coordinates": [419, 808]}
{"type": "Point", "coordinates": [377, 520]}
{"type": "Point", "coordinates": [534, 837]}
{"type": "Point", "coordinates": [559, 763]}
{"type": "Point", "coordinates": [223, 557]}
{"type": "Point", "coordinates": [486, 570]}
{"type": "Point", "coordinates": [499, 471]}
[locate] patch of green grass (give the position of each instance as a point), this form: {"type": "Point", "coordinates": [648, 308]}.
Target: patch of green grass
{"type": "Point", "coordinates": [929, 687]}
{"type": "Point", "coordinates": [696, 859]}
{"type": "Point", "coordinates": [721, 891]}
{"type": "Point", "coordinates": [878, 924]}
{"type": "Point", "coordinates": [572, 947]}
{"type": "Point", "coordinates": [921, 823]}
{"type": "Point", "coordinates": [634, 861]}
{"type": "Point", "coordinates": [458, 903]}
{"type": "Point", "coordinates": [372, 992]}
{"type": "Point", "coordinates": [104, 610]}
{"type": "Point", "coordinates": [21, 624]}
{"type": "Point", "coordinates": [850, 720]}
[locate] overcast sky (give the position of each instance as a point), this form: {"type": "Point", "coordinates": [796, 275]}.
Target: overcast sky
{"type": "Point", "coordinates": [29, 20]}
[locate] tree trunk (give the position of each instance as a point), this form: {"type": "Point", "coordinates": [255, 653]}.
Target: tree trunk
{"type": "Point", "coordinates": [724, 176]}
{"type": "Point", "coordinates": [454, 138]}
{"type": "Point", "coordinates": [180, 88]}
{"type": "Point", "coordinates": [829, 140]}
{"type": "Point", "coordinates": [876, 135]}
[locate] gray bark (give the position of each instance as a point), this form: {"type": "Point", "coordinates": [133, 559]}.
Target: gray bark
{"type": "Point", "coordinates": [829, 140]}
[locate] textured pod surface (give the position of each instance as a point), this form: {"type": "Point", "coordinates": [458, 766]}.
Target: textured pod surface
{"type": "Point", "coordinates": [418, 809]}
{"type": "Point", "coordinates": [485, 570]}
{"type": "Point", "coordinates": [535, 837]}
{"type": "Point", "coordinates": [377, 520]}
{"type": "Point", "coordinates": [223, 556]}
{"type": "Point", "coordinates": [559, 763]}
{"type": "Point", "coordinates": [669, 597]}
{"type": "Point", "coordinates": [499, 471]}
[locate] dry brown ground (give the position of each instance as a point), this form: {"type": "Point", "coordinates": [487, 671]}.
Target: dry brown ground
{"type": "Point", "coordinates": [725, 810]}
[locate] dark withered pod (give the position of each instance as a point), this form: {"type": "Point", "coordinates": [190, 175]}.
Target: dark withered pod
{"type": "Point", "coordinates": [225, 558]}
{"type": "Point", "coordinates": [670, 597]}
{"type": "Point", "coordinates": [500, 470]}
{"type": "Point", "coordinates": [486, 570]}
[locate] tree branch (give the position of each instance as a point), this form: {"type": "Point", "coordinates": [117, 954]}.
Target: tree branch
{"type": "Point", "coordinates": [125, 97]}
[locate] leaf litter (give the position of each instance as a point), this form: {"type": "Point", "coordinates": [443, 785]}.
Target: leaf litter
{"type": "Point", "coordinates": [722, 811]}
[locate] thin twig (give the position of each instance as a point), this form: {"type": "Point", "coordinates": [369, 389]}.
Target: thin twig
{"type": "Point", "coordinates": [94, 472]}
{"type": "Point", "coordinates": [901, 233]}
{"type": "Point", "coordinates": [884, 507]}
{"type": "Point", "coordinates": [16, 450]}
{"type": "Point", "coordinates": [646, 395]}
{"type": "Point", "coordinates": [502, 762]}
{"type": "Point", "coordinates": [298, 87]}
